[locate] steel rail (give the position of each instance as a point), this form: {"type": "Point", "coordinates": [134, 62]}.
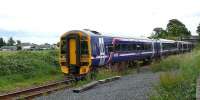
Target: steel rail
{"type": "Point", "coordinates": [36, 91]}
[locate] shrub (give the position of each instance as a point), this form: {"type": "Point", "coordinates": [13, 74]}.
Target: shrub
{"type": "Point", "coordinates": [174, 86]}
{"type": "Point", "coordinates": [22, 66]}
{"type": "Point", "coordinates": [170, 63]}
{"type": "Point", "coordinates": [179, 82]}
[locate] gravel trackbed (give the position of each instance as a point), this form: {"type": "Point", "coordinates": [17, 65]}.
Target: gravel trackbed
{"type": "Point", "coordinates": [130, 87]}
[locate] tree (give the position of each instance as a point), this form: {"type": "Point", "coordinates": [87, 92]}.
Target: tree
{"type": "Point", "coordinates": [198, 30]}
{"type": "Point", "coordinates": [18, 42]}
{"type": "Point", "coordinates": [158, 32]}
{"type": "Point", "coordinates": [58, 44]}
{"type": "Point", "coordinates": [2, 42]}
{"type": "Point", "coordinates": [11, 42]}
{"type": "Point", "coordinates": [19, 45]}
{"type": "Point", "coordinates": [177, 29]}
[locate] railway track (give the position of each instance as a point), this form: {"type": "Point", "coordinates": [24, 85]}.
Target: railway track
{"type": "Point", "coordinates": [36, 91]}
{"type": "Point", "coordinates": [30, 93]}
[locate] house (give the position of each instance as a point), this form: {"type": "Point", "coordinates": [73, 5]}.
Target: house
{"type": "Point", "coordinates": [26, 46]}
{"type": "Point", "coordinates": [194, 39]}
{"type": "Point", "coordinates": [55, 46]}
{"type": "Point", "coordinates": [8, 48]}
{"type": "Point", "coordinates": [45, 46]}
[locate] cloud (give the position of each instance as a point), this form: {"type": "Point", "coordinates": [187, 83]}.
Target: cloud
{"type": "Point", "coordinates": [51, 18]}
{"type": "Point", "coordinates": [33, 37]}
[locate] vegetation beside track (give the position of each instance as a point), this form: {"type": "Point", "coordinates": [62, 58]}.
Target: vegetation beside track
{"type": "Point", "coordinates": [22, 69]}
{"type": "Point", "coordinates": [178, 81]}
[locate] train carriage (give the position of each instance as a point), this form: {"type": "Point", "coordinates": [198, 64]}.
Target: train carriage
{"type": "Point", "coordinates": [168, 47]}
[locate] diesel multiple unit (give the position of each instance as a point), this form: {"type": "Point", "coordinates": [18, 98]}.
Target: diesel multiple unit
{"type": "Point", "coordinates": [82, 50]}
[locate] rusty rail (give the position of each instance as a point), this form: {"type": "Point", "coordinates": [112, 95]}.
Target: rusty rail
{"type": "Point", "coordinates": [36, 91]}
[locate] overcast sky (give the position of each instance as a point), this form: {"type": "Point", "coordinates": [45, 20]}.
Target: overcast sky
{"type": "Point", "coordinates": [41, 21]}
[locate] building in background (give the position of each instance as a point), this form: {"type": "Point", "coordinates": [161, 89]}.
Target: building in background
{"type": "Point", "coordinates": [8, 48]}
{"type": "Point", "coordinates": [194, 39]}
{"type": "Point", "coordinates": [26, 46]}
{"type": "Point", "coordinates": [29, 47]}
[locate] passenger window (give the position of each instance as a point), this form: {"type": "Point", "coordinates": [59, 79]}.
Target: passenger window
{"type": "Point", "coordinates": [63, 46]}
{"type": "Point", "coordinates": [124, 47]}
{"type": "Point", "coordinates": [134, 47]}
{"type": "Point", "coordinates": [117, 47]}
{"type": "Point", "coordinates": [145, 47]}
{"type": "Point", "coordinates": [129, 47]}
{"type": "Point", "coordinates": [110, 48]}
{"type": "Point", "coordinates": [148, 47]}
{"type": "Point", "coordinates": [142, 47]}
{"type": "Point", "coordinates": [139, 47]}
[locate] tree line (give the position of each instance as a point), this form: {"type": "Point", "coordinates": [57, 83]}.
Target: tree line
{"type": "Point", "coordinates": [175, 30]}
{"type": "Point", "coordinates": [198, 30]}
{"type": "Point", "coordinates": [10, 42]}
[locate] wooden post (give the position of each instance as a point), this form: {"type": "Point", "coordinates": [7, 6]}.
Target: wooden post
{"type": "Point", "coordinates": [138, 66]}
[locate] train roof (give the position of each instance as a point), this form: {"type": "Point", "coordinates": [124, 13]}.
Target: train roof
{"type": "Point", "coordinates": [185, 42]}
{"type": "Point", "coordinates": [167, 41]}
{"type": "Point", "coordinates": [121, 38]}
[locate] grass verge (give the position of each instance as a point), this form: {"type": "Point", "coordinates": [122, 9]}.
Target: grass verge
{"type": "Point", "coordinates": [23, 69]}
{"type": "Point", "coordinates": [178, 81]}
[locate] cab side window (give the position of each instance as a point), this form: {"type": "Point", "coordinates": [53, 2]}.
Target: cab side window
{"type": "Point", "coordinates": [84, 47]}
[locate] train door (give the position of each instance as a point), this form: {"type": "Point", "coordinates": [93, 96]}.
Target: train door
{"type": "Point", "coordinates": [161, 49]}
{"type": "Point", "coordinates": [153, 49]}
{"type": "Point", "coordinates": [72, 52]}
{"type": "Point", "coordinates": [139, 50]}
{"type": "Point", "coordinates": [157, 47]}
{"type": "Point", "coordinates": [102, 51]}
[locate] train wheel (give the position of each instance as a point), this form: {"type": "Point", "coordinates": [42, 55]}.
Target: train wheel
{"type": "Point", "coordinates": [130, 64]}
{"type": "Point", "coordinates": [67, 76]}
{"type": "Point", "coordinates": [147, 61]}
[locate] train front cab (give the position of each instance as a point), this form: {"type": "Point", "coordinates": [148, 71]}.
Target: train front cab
{"type": "Point", "coordinates": [75, 53]}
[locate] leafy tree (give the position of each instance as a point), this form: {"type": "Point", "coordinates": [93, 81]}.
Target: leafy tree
{"type": "Point", "coordinates": [11, 42]}
{"type": "Point", "coordinates": [58, 44]}
{"type": "Point", "coordinates": [18, 42]}
{"type": "Point", "coordinates": [19, 45]}
{"type": "Point", "coordinates": [177, 29]}
{"type": "Point", "coordinates": [158, 33]}
{"type": "Point", "coordinates": [2, 42]}
{"type": "Point", "coordinates": [198, 30]}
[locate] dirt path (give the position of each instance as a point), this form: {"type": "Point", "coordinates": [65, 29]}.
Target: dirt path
{"type": "Point", "coordinates": [130, 87]}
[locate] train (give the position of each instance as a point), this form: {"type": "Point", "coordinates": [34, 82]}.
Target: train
{"type": "Point", "coordinates": [84, 50]}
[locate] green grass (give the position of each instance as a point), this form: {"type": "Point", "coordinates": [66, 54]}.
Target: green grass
{"type": "Point", "coordinates": [22, 69]}
{"type": "Point", "coordinates": [170, 63]}
{"type": "Point", "coordinates": [178, 81]}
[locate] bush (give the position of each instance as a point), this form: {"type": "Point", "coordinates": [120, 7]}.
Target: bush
{"type": "Point", "coordinates": [173, 86]}
{"type": "Point", "coordinates": [27, 62]}
{"type": "Point", "coordinates": [20, 66]}
{"type": "Point", "coordinates": [179, 82]}
{"type": "Point", "coordinates": [170, 63]}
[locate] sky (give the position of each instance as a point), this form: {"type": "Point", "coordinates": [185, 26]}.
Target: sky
{"type": "Point", "coordinates": [44, 21]}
